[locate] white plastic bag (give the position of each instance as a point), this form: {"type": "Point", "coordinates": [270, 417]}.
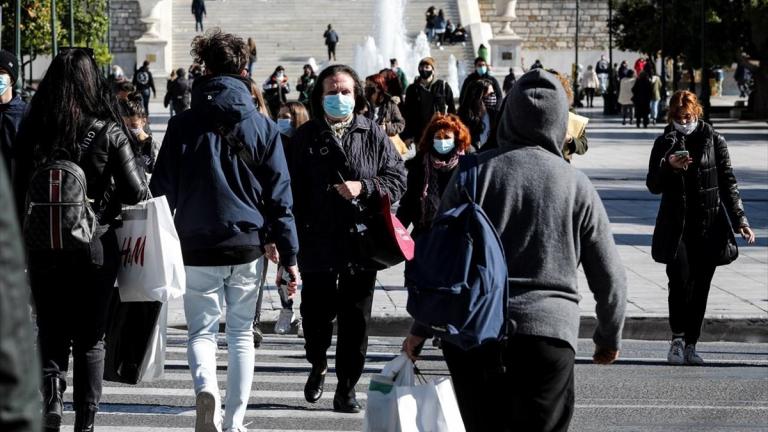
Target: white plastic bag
{"type": "Point", "coordinates": [151, 265]}
{"type": "Point", "coordinates": [429, 407]}
{"type": "Point", "coordinates": [381, 408]}
{"type": "Point", "coordinates": [153, 365]}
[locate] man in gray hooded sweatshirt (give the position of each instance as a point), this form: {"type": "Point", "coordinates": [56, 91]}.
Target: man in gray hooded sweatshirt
{"type": "Point", "coordinates": [550, 219]}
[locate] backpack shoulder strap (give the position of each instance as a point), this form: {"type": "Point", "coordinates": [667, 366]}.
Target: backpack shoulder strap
{"type": "Point", "coordinates": [467, 181]}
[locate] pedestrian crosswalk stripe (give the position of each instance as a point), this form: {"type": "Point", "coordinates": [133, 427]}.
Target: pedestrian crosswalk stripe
{"type": "Point", "coordinates": [189, 392]}
{"type": "Point", "coordinates": [298, 366]}
{"type": "Point", "coordinates": [323, 411]}
{"type": "Point", "coordinates": [178, 429]}
{"type": "Point", "coordinates": [292, 353]}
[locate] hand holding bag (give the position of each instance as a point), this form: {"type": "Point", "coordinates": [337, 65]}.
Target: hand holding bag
{"type": "Point", "coordinates": [379, 236]}
{"type": "Point", "coordinates": [151, 265]}
{"type": "Point", "coordinates": [381, 410]}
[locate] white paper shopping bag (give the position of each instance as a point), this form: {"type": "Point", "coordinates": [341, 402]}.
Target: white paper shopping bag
{"type": "Point", "coordinates": [151, 264]}
{"type": "Point", "coordinates": [429, 407]}
{"type": "Point", "coordinates": [381, 408]}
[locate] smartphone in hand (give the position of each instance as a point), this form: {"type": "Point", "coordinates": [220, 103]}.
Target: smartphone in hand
{"type": "Point", "coordinates": [681, 153]}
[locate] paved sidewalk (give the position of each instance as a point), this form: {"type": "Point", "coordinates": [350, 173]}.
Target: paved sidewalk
{"type": "Point", "coordinates": [617, 164]}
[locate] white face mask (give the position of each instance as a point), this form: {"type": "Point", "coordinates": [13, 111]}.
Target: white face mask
{"type": "Point", "coordinates": [137, 131]}
{"type": "Point", "coordinates": [686, 129]}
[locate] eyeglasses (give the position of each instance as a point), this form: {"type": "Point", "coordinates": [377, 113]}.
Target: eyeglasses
{"type": "Point", "coordinates": [88, 51]}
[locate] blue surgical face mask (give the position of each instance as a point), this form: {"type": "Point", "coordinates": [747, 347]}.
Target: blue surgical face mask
{"type": "Point", "coordinates": [338, 106]}
{"type": "Point", "coordinates": [481, 70]}
{"type": "Point", "coordinates": [443, 146]}
{"type": "Point", "coordinates": [285, 126]}
{"type": "Point", "coordinates": [5, 83]}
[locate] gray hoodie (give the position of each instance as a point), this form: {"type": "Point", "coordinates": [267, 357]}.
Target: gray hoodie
{"type": "Point", "coordinates": [549, 218]}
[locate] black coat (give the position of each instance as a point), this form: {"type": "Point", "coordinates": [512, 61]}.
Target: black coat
{"type": "Point", "coordinates": [10, 118]}
{"type": "Point", "coordinates": [113, 172]}
{"type": "Point", "coordinates": [718, 193]}
{"type": "Point", "coordinates": [421, 103]}
{"type": "Point", "coordinates": [410, 209]}
{"type": "Point", "coordinates": [641, 97]}
{"type": "Point", "coordinates": [319, 161]}
{"type": "Point", "coordinates": [474, 76]}
{"type": "Point", "coordinates": [180, 94]}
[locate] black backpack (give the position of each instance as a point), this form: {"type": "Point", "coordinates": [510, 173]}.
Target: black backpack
{"type": "Point", "coordinates": [58, 214]}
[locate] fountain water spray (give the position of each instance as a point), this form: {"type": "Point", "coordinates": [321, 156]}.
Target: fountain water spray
{"type": "Point", "coordinates": [389, 41]}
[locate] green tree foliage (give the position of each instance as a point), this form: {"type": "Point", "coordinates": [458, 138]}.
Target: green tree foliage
{"type": "Point", "coordinates": [637, 25]}
{"type": "Point", "coordinates": [91, 26]}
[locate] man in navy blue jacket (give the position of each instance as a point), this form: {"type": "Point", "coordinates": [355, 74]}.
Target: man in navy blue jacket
{"type": "Point", "coordinates": [223, 171]}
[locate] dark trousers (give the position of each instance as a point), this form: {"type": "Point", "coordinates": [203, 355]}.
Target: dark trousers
{"type": "Point", "coordinates": [540, 385]}
{"type": "Point", "coordinates": [332, 51]}
{"type": "Point", "coordinates": [526, 385]}
{"type": "Point", "coordinates": [477, 375]}
{"type": "Point", "coordinates": [348, 298]}
{"type": "Point", "coordinates": [145, 94]}
{"type": "Point", "coordinates": [72, 299]}
{"type": "Point", "coordinates": [690, 276]}
{"type": "Point", "coordinates": [590, 93]}
{"type": "Point", "coordinates": [199, 22]}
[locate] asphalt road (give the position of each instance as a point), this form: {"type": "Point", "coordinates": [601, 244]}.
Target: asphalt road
{"type": "Point", "coordinates": [639, 393]}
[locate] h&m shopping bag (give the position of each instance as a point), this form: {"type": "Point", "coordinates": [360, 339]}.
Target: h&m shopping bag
{"type": "Point", "coordinates": [429, 407]}
{"type": "Point", "coordinates": [381, 410]}
{"type": "Point", "coordinates": [151, 265]}
{"type": "Point", "coordinates": [135, 341]}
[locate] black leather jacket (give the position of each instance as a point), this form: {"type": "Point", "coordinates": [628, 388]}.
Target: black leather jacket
{"type": "Point", "coordinates": [113, 172]}
{"type": "Point", "coordinates": [718, 192]}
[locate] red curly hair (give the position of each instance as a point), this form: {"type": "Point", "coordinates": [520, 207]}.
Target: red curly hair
{"type": "Point", "coordinates": [684, 102]}
{"type": "Point", "coordinates": [446, 122]}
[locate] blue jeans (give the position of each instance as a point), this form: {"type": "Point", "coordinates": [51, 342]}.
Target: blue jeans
{"type": "Point", "coordinates": [654, 110]}
{"type": "Point", "coordinates": [208, 288]}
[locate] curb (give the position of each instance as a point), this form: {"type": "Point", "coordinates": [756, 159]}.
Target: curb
{"type": "Point", "coordinates": [750, 330]}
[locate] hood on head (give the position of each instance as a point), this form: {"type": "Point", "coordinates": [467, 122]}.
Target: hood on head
{"type": "Point", "coordinates": [225, 99]}
{"type": "Point", "coordinates": [535, 113]}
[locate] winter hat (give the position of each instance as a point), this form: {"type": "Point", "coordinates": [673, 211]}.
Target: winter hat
{"type": "Point", "coordinates": [10, 63]}
{"type": "Point", "coordinates": [427, 61]}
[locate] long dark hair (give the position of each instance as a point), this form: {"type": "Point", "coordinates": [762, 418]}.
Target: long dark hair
{"type": "Point", "coordinates": [472, 109]}
{"type": "Point", "coordinates": [72, 92]}
{"type": "Point", "coordinates": [317, 91]}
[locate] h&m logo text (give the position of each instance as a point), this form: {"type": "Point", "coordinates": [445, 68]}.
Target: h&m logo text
{"type": "Point", "coordinates": [133, 253]}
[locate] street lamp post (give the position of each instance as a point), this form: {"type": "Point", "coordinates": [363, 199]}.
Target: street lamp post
{"type": "Point", "coordinates": [71, 23]}
{"type": "Point", "coordinates": [54, 44]}
{"type": "Point", "coordinates": [609, 101]}
{"type": "Point", "coordinates": [17, 43]}
{"type": "Point", "coordinates": [576, 61]}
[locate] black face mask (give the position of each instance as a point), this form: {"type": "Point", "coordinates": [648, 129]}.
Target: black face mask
{"type": "Point", "coordinates": [490, 101]}
{"type": "Point", "coordinates": [425, 74]}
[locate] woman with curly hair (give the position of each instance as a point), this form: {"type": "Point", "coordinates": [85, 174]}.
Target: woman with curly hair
{"type": "Point", "coordinates": [700, 210]}
{"type": "Point", "coordinates": [445, 139]}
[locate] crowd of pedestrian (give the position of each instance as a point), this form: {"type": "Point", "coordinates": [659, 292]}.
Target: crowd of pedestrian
{"type": "Point", "coordinates": [293, 182]}
{"type": "Point", "coordinates": [440, 30]}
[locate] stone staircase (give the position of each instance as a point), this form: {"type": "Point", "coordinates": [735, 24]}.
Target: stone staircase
{"type": "Point", "coordinates": [289, 32]}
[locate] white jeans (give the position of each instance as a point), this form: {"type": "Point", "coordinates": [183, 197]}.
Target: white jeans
{"type": "Point", "coordinates": [208, 288]}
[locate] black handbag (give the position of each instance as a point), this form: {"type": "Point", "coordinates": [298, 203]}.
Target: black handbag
{"type": "Point", "coordinates": [722, 240]}
{"type": "Point", "coordinates": [378, 236]}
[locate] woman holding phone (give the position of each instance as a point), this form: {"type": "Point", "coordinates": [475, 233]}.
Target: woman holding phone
{"type": "Point", "coordinates": [700, 210]}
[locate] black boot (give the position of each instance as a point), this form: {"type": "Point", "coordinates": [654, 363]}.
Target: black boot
{"type": "Point", "coordinates": [53, 402]}
{"type": "Point", "coordinates": [84, 418]}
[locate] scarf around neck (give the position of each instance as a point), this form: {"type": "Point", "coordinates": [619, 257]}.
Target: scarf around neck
{"type": "Point", "coordinates": [430, 195]}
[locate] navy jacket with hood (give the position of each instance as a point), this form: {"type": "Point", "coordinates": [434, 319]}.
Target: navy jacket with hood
{"type": "Point", "coordinates": [225, 211]}
{"type": "Point", "coordinates": [10, 118]}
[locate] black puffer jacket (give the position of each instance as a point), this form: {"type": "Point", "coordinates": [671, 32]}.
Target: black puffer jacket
{"type": "Point", "coordinates": [112, 170]}
{"type": "Point", "coordinates": [718, 192]}
{"type": "Point", "coordinates": [319, 161]}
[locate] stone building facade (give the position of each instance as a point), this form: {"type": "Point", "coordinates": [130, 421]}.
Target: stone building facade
{"type": "Point", "coordinates": [548, 29]}
{"type": "Point", "coordinates": [126, 28]}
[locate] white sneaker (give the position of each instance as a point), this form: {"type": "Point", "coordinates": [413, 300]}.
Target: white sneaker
{"type": "Point", "coordinates": [284, 321]}
{"type": "Point", "coordinates": [692, 357]}
{"type": "Point", "coordinates": [675, 355]}
{"type": "Point", "coordinates": [208, 418]}
{"type": "Point", "coordinates": [300, 329]}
